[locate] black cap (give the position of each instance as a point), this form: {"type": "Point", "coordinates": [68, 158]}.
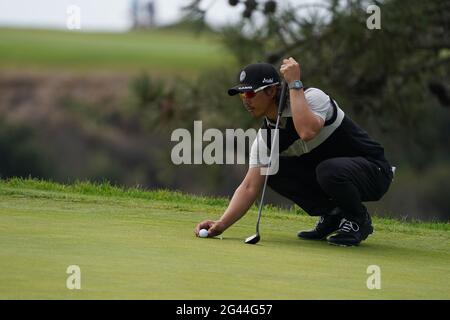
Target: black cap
{"type": "Point", "coordinates": [255, 76]}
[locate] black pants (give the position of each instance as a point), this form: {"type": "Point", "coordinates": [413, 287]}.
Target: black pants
{"type": "Point", "coordinates": [337, 182]}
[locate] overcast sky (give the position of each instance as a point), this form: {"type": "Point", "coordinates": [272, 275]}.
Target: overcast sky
{"type": "Point", "coordinates": [111, 15]}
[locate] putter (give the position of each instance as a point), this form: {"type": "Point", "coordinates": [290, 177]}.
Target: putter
{"type": "Point", "coordinates": [254, 239]}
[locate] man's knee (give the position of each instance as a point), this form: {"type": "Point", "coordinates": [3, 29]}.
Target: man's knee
{"type": "Point", "coordinates": [330, 172]}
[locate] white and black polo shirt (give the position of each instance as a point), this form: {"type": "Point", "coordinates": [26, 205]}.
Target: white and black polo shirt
{"type": "Point", "coordinates": [340, 136]}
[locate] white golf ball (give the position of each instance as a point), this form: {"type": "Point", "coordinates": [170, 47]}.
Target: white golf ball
{"type": "Point", "coordinates": [203, 233]}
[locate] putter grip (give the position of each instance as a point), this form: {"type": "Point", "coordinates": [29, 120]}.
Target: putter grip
{"type": "Point", "coordinates": [283, 97]}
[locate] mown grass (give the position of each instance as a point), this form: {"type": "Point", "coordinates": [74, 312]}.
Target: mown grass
{"type": "Point", "coordinates": [138, 244]}
{"type": "Point", "coordinates": [109, 190]}
{"type": "Point", "coordinates": [158, 51]}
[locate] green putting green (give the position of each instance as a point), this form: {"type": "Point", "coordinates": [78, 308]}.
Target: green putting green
{"type": "Point", "coordinates": [133, 244]}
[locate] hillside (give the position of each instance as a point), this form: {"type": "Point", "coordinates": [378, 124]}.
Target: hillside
{"type": "Point", "coordinates": [136, 244]}
{"type": "Point", "coordinates": [158, 51]}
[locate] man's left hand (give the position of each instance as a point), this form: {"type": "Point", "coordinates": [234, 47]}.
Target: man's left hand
{"type": "Point", "coordinates": [290, 69]}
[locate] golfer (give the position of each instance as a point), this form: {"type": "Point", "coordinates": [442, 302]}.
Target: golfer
{"type": "Point", "coordinates": [327, 164]}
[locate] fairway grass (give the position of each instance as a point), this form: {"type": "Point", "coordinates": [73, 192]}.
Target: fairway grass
{"type": "Point", "coordinates": [156, 51]}
{"type": "Point", "coordinates": [132, 244]}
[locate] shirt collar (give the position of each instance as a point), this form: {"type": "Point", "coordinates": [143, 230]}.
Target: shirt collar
{"type": "Point", "coordinates": [284, 115]}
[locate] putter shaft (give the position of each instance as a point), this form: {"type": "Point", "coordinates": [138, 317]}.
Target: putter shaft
{"type": "Point", "coordinates": [255, 238]}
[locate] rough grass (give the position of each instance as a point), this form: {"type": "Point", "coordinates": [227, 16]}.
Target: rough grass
{"type": "Point", "coordinates": [137, 244]}
{"type": "Point", "coordinates": [158, 51]}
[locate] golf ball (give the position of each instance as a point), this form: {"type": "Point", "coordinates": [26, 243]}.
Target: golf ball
{"type": "Point", "coordinates": [203, 233]}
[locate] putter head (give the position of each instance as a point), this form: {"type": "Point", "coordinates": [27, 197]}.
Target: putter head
{"type": "Point", "coordinates": [254, 239]}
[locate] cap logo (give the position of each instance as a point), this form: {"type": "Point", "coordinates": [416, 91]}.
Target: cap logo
{"type": "Point", "coordinates": [270, 80]}
{"type": "Point", "coordinates": [242, 76]}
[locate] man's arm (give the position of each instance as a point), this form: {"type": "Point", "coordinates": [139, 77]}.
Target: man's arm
{"type": "Point", "coordinates": [243, 198]}
{"type": "Point", "coordinates": [306, 123]}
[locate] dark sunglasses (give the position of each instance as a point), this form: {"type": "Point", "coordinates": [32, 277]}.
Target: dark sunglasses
{"type": "Point", "coordinates": [252, 94]}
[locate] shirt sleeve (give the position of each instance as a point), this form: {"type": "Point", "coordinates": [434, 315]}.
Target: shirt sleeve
{"type": "Point", "coordinates": [318, 102]}
{"type": "Point", "coordinates": [258, 152]}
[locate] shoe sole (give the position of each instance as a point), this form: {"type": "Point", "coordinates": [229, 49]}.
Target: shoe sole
{"type": "Point", "coordinates": [343, 245]}
{"type": "Point", "coordinates": [306, 239]}
{"type": "Point", "coordinates": [321, 239]}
